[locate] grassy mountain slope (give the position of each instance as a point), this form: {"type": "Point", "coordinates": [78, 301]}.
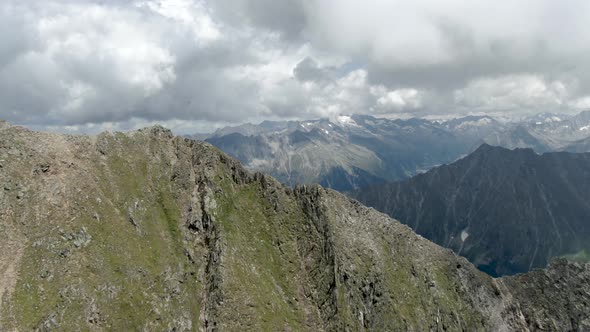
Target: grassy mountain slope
{"type": "Point", "coordinates": [147, 231]}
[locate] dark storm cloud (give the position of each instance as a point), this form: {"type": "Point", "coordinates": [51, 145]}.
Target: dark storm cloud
{"type": "Point", "coordinates": [88, 64]}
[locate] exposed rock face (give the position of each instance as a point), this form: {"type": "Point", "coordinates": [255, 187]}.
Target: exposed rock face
{"type": "Point", "coordinates": [147, 231]}
{"type": "Point", "coordinates": [506, 211]}
{"type": "Point", "coordinates": [545, 296]}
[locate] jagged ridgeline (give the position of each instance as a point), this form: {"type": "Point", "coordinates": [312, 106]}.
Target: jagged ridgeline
{"type": "Point", "coordinates": [147, 231]}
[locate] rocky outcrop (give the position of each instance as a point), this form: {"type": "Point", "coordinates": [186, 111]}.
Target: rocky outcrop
{"type": "Point", "coordinates": [545, 297]}
{"type": "Point", "coordinates": [213, 247]}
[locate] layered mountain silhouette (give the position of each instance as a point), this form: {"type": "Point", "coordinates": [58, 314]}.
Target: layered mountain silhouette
{"type": "Point", "coordinates": [507, 211]}
{"type": "Point", "coordinates": [545, 132]}
{"type": "Point", "coordinates": [350, 152]}
{"type": "Point", "coordinates": [148, 231]}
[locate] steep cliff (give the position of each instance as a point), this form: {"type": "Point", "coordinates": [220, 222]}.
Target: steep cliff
{"type": "Point", "coordinates": [148, 231]}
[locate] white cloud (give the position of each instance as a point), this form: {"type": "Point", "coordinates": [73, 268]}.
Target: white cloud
{"type": "Point", "coordinates": [401, 33]}
{"type": "Point", "coordinates": [86, 57]}
{"type": "Point", "coordinates": [512, 93]}
{"type": "Point", "coordinates": [125, 47]}
{"type": "Point", "coordinates": [87, 64]}
{"type": "Point", "coordinates": [582, 103]}
{"type": "Point", "coordinates": [397, 100]}
{"type": "Point", "coordinates": [193, 14]}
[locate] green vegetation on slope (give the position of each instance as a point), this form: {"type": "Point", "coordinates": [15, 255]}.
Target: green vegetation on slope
{"type": "Point", "coordinates": [115, 260]}
{"type": "Point", "coordinates": [147, 231]}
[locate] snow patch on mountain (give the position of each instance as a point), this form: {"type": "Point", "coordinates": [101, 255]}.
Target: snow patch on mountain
{"type": "Point", "coordinates": [464, 235]}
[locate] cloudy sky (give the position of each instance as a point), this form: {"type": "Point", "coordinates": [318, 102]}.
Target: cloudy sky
{"type": "Point", "coordinates": [193, 65]}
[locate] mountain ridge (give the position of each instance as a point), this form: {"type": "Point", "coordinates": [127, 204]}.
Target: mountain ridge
{"type": "Point", "coordinates": [364, 150]}
{"type": "Point", "coordinates": [361, 149]}
{"type": "Point", "coordinates": [147, 230]}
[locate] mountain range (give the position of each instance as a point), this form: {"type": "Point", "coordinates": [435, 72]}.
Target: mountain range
{"type": "Point", "coordinates": [546, 132]}
{"type": "Point", "coordinates": [507, 211]}
{"type": "Point", "coordinates": [150, 231]}
{"type": "Point", "coordinates": [352, 152]}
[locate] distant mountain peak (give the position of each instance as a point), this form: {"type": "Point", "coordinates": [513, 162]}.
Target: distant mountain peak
{"type": "Point", "coordinates": [521, 208]}
{"type": "Point", "coordinates": [370, 148]}
{"type": "Point", "coordinates": [487, 148]}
